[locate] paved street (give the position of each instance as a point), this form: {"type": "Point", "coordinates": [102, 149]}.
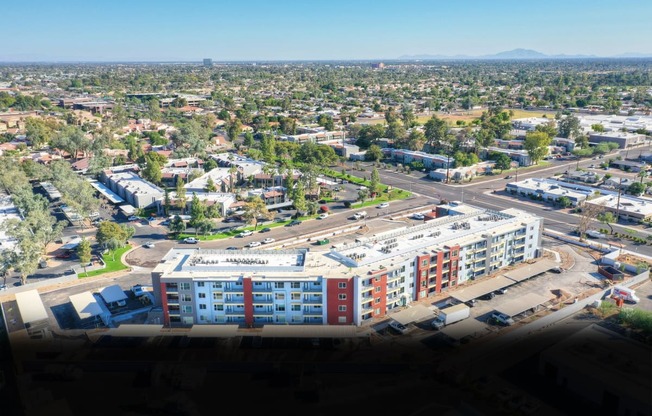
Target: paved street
{"type": "Point", "coordinates": [480, 193]}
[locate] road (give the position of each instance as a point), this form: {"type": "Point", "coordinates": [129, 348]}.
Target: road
{"type": "Point", "coordinates": [480, 193]}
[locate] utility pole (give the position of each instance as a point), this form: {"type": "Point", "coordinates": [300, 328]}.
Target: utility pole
{"type": "Point", "coordinates": [618, 201]}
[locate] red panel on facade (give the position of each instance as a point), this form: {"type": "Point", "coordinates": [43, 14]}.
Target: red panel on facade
{"type": "Point", "coordinates": [379, 292]}
{"type": "Point", "coordinates": [164, 303]}
{"type": "Point", "coordinates": [440, 271]}
{"type": "Point", "coordinates": [248, 289]}
{"type": "Point", "coordinates": [333, 292]}
{"type": "Point", "coordinates": [418, 279]}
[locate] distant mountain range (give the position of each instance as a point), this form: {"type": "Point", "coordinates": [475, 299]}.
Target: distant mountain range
{"type": "Point", "coordinates": [520, 54]}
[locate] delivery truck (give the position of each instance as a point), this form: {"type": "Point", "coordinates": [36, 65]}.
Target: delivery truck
{"type": "Point", "coordinates": [451, 315]}
{"type": "Point", "coordinates": [625, 293]}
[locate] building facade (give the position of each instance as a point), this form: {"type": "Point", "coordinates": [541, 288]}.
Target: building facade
{"type": "Point", "coordinates": [351, 283]}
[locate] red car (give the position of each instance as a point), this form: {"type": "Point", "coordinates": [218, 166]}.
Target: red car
{"type": "Point", "coordinates": [64, 255]}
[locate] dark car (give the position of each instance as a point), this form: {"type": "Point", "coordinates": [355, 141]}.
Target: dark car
{"type": "Point", "coordinates": [488, 296]}
{"type": "Point", "coordinates": [232, 248]}
{"type": "Point", "coordinates": [293, 223]}
{"type": "Point", "coordinates": [64, 255]}
{"type": "Point", "coordinates": [471, 303]}
{"type": "Point", "coordinates": [265, 230]}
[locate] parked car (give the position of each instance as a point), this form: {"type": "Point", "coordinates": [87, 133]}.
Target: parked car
{"type": "Point", "coordinates": [501, 318]}
{"type": "Point", "coordinates": [322, 216]}
{"type": "Point", "coordinates": [149, 244]}
{"type": "Point", "coordinates": [502, 291]}
{"type": "Point", "coordinates": [133, 218]}
{"type": "Point", "coordinates": [265, 230]}
{"type": "Point", "coordinates": [323, 242]}
{"type": "Point", "coordinates": [471, 303]}
{"type": "Point", "coordinates": [190, 240]}
{"type": "Point", "coordinates": [488, 296]}
{"type": "Point", "coordinates": [138, 290]}
{"type": "Point", "coordinates": [64, 255]}
{"type": "Point", "coordinates": [232, 248]}
{"type": "Point", "coordinates": [397, 326]}
{"type": "Point", "coordinates": [508, 177]}
{"type": "Point", "coordinates": [246, 233]}
{"type": "Point", "coordinates": [418, 217]}
{"type": "Point", "coordinates": [253, 244]}
{"type": "Point", "coordinates": [166, 222]}
{"type": "Point", "coordinates": [383, 205]}
{"type": "Point", "coordinates": [293, 223]}
{"type": "Point", "coordinates": [268, 240]}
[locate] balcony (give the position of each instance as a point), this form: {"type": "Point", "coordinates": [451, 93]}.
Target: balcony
{"type": "Point", "coordinates": [262, 299]}
{"type": "Point", "coordinates": [238, 311]}
{"type": "Point", "coordinates": [313, 288]}
{"type": "Point", "coordinates": [233, 299]}
{"type": "Point", "coordinates": [263, 312]}
{"type": "Point", "coordinates": [313, 301]}
{"type": "Point", "coordinates": [313, 312]}
{"type": "Point", "coordinates": [234, 289]}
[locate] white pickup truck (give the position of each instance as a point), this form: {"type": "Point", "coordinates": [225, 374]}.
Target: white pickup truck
{"type": "Point", "coordinates": [360, 215]}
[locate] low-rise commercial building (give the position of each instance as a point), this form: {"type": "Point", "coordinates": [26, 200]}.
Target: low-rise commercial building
{"type": "Point", "coordinates": [547, 190]}
{"type": "Point", "coordinates": [624, 139]}
{"type": "Point", "coordinates": [430, 161]}
{"type": "Point", "coordinates": [132, 188]}
{"type": "Point", "coordinates": [352, 283]}
{"type": "Point", "coordinates": [628, 208]}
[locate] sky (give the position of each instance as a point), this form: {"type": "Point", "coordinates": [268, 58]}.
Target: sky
{"type": "Point", "coordinates": [256, 30]}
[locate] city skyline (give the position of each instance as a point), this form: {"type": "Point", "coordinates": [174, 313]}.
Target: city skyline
{"type": "Point", "coordinates": [258, 31]}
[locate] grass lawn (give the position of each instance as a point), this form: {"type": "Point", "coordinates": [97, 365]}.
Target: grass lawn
{"type": "Point", "coordinates": [229, 234]}
{"type": "Point", "coordinates": [111, 265]}
{"type": "Point", "coordinates": [471, 115]}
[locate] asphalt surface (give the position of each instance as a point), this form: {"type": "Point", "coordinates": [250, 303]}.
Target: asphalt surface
{"type": "Point", "coordinates": [480, 192]}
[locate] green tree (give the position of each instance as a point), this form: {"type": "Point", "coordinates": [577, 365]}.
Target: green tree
{"type": "Point", "coordinates": [152, 171]}
{"type": "Point", "coordinates": [607, 218]}
{"type": "Point", "coordinates": [636, 188]}
{"type": "Point", "coordinates": [564, 201]}
{"type": "Point", "coordinates": [84, 253]}
{"type": "Point", "coordinates": [197, 211]}
{"type": "Point", "coordinates": [299, 198]}
{"type": "Point", "coordinates": [374, 153]}
{"type": "Point", "coordinates": [204, 226]}
{"type": "Point", "coordinates": [255, 208]}
{"type": "Point", "coordinates": [109, 230]}
{"type": "Point", "coordinates": [395, 131]}
{"type": "Point", "coordinates": [210, 185]}
{"type": "Point", "coordinates": [363, 194]}
{"type": "Point", "coordinates": [166, 203]}
{"type": "Point", "coordinates": [177, 225]}
{"type": "Point", "coordinates": [180, 198]}
{"type": "Point", "coordinates": [569, 127]}
{"type": "Point", "coordinates": [598, 128]}
{"type": "Point", "coordinates": [536, 143]}
{"type": "Point", "coordinates": [248, 139]}
{"type": "Point", "coordinates": [374, 186]}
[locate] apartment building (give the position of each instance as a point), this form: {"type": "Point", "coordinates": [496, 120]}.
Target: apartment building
{"type": "Point", "coordinates": [350, 284]}
{"type": "Point", "coordinates": [132, 188]}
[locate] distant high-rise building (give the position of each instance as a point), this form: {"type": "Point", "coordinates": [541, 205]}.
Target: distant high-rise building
{"type": "Point", "coordinates": [208, 62]}
{"type": "Point", "coordinates": [378, 65]}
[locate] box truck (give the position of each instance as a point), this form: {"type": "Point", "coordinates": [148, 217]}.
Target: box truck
{"type": "Point", "coordinates": [625, 293]}
{"type": "Point", "coordinates": [451, 315]}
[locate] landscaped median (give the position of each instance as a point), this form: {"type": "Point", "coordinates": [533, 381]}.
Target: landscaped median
{"type": "Point", "coordinates": [234, 233]}
{"type": "Point", "coordinates": [111, 265]}
{"type": "Point", "coordinates": [384, 194]}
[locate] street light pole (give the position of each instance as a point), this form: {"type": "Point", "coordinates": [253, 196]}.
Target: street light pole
{"type": "Point", "coordinates": [618, 201]}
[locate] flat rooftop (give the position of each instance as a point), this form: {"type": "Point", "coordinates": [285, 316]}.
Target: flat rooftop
{"type": "Point", "coordinates": [628, 204]}
{"type": "Point", "coordinates": [466, 224]}
{"type": "Point", "coordinates": [208, 263]}
{"type": "Point", "coordinates": [134, 183]}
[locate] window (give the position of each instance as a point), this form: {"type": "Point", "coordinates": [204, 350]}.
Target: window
{"type": "Point", "coordinates": [218, 296]}
{"type": "Point", "coordinates": [218, 307]}
{"type": "Point", "coordinates": [424, 283]}
{"type": "Point", "coordinates": [186, 298]}
{"type": "Point", "coordinates": [295, 296]}
{"type": "Point", "coordinates": [279, 285]}
{"type": "Point", "coordinates": [200, 284]}
{"type": "Point", "coordinates": [217, 285]}
{"type": "Point", "coordinates": [258, 283]}
{"type": "Point", "coordinates": [296, 308]}
{"type": "Point", "coordinates": [202, 306]}
{"type": "Point", "coordinates": [341, 285]}
{"type": "Point", "coordinates": [454, 265]}
{"type": "Point", "coordinates": [454, 253]}
{"type": "Point", "coordinates": [184, 286]}
{"type": "Point", "coordinates": [377, 289]}
{"type": "Point", "coordinates": [280, 307]}
{"type": "Point", "coordinates": [341, 296]}
{"type": "Point", "coordinates": [341, 308]}
{"type": "Point", "coordinates": [424, 262]}
{"type": "Point", "coordinates": [424, 273]}
{"type": "Point", "coordinates": [186, 309]}
{"type": "Point", "coordinates": [279, 296]}
{"type": "Point", "coordinates": [295, 285]}
{"type": "Point", "coordinates": [531, 237]}
{"type": "Point", "coordinates": [341, 319]}
{"type": "Point", "coordinates": [377, 311]}
{"type": "Point", "coordinates": [202, 296]}
{"type": "Point", "coordinates": [377, 300]}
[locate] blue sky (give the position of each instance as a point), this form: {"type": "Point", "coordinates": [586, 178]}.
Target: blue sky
{"type": "Point", "coordinates": [335, 29]}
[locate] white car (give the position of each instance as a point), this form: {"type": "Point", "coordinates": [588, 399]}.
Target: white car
{"type": "Point", "coordinates": [502, 318]}
{"type": "Point", "coordinates": [383, 205]}
{"type": "Point", "coordinates": [246, 233]}
{"type": "Point", "coordinates": [138, 290]}
{"type": "Point", "coordinates": [133, 218]}
{"type": "Point", "coordinates": [268, 240]}
{"type": "Point", "coordinates": [322, 216]}
{"type": "Point", "coordinates": [190, 240]}
{"type": "Point", "coordinates": [149, 244]}
{"type": "Point", "coordinates": [397, 326]}
{"type": "Point", "coordinates": [418, 217]}
{"type": "Point", "coordinates": [253, 244]}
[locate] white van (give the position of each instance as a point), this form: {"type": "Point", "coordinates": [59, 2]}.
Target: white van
{"type": "Point", "coordinates": [627, 294]}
